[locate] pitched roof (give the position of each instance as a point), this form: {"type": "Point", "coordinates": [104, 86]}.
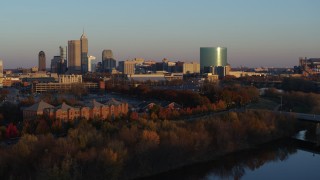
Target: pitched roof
{"type": "Point", "coordinates": [39, 106]}
{"type": "Point", "coordinates": [175, 105]}
{"type": "Point", "coordinates": [114, 102]}
{"type": "Point", "coordinates": [145, 105]}
{"type": "Point", "coordinates": [64, 107]}
{"type": "Point", "coordinates": [93, 103]}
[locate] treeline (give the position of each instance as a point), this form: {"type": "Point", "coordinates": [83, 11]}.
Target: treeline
{"type": "Point", "coordinates": [125, 150]}
{"type": "Point", "coordinates": [232, 95]}
{"type": "Point", "coordinates": [299, 84]}
{"type": "Point", "coordinates": [186, 98]}
{"type": "Point", "coordinates": [296, 101]}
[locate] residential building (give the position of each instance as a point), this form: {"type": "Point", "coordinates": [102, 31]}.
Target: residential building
{"type": "Point", "coordinates": [91, 110]}
{"type": "Point", "coordinates": [35, 110]}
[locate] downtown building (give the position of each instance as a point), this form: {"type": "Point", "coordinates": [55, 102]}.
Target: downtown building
{"type": "Point", "coordinates": [59, 63]}
{"type": "Point", "coordinates": [108, 62]}
{"type": "Point", "coordinates": [78, 55]}
{"type": "Point", "coordinates": [42, 61]}
{"type": "Point", "coordinates": [213, 60]}
{"type": "Point", "coordinates": [127, 67]}
{"type": "Point", "coordinates": [65, 83]}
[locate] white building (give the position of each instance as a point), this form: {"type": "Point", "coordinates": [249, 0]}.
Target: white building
{"type": "Point", "coordinates": [67, 79]}
{"type": "Point", "coordinates": [91, 64]}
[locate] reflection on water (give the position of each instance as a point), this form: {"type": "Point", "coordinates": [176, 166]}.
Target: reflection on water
{"type": "Point", "coordinates": [235, 166]}
{"type": "Point", "coordinates": [276, 160]}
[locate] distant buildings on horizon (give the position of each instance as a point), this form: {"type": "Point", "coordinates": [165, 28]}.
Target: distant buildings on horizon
{"type": "Point", "coordinates": [74, 59]}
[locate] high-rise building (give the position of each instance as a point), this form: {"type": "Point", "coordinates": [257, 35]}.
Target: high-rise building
{"type": "Point", "coordinates": [42, 61]}
{"type": "Point", "coordinates": [108, 63]}
{"type": "Point", "coordinates": [84, 53]}
{"type": "Point", "coordinates": [1, 67]}
{"type": "Point", "coordinates": [127, 67]}
{"type": "Point", "coordinates": [90, 62]}
{"type": "Point", "coordinates": [74, 56]}
{"type": "Point", "coordinates": [62, 65]}
{"type": "Point", "coordinates": [55, 64]}
{"type": "Point", "coordinates": [1, 73]}
{"type": "Point", "coordinates": [212, 57]}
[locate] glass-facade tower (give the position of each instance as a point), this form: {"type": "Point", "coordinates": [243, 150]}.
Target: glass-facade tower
{"type": "Point", "coordinates": [212, 57]}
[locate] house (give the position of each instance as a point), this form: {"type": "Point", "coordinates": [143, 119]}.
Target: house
{"type": "Point", "coordinates": [65, 112]}
{"type": "Point", "coordinates": [35, 110]}
{"type": "Point", "coordinates": [171, 105]}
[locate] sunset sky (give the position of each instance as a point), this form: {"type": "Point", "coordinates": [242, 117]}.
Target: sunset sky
{"type": "Point", "coordinates": [273, 33]}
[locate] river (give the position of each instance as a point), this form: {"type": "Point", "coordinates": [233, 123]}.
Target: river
{"type": "Point", "coordinates": [282, 159]}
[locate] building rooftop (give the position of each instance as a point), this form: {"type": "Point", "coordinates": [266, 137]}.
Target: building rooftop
{"type": "Point", "coordinates": [64, 107]}
{"type": "Point", "coordinates": [113, 102]}
{"type": "Point", "coordinates": [39, 106]}
{"type": "Point", "coordinates": [93, 103]}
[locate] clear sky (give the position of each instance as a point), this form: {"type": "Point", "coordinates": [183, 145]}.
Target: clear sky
{"type": "Point", "coordinates": [273, 33]}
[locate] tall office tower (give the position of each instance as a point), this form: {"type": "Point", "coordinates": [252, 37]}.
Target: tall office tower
{"type": "Point", "coordinates": [1, 67]}
{"type": "Point", "coordinates": [62, 65]}
{"type": "Point", "coordinates": [84, 53]}
{"type": "Point", "coordinates": [212, 57]}
{"type": "Point", "coordinates": [108, 63]}
{"type": "Point", "coordinates": [90, 62]}
{"type": "Point", "coordinates": [42, 61]}
{"type": "Point", "coordinates": [127, 67]}
{"type": "Point", "coordinates": [74, 56]}
{"type": "Point", "coordinates": [55, 64]}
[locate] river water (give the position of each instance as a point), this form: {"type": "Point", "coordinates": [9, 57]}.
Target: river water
{"type": "Point", "coordinates": [278, 160]}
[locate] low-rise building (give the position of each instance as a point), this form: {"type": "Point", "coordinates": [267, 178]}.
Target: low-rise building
{"type": "Point", "coordinates": [35, 110]}
{"type": "Point", "coordinates": [64, 112]}
{"type": "Point", "coordinates": [58, 87]}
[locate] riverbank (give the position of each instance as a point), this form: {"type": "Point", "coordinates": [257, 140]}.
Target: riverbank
{"type": "Point", "coordinates": [240, 138]}
{"type": "Point", "coordinates": [121, 150]}
{"type": "Point", "coordinates": [227, 163]}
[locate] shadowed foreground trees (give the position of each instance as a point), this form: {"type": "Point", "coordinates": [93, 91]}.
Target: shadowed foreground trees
{"type": "Point", "coordinates": [125, 150]}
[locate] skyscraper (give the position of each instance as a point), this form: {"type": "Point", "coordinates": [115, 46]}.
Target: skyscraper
{"type": "Point", "coordinates": [1, 67]}
{"type": "Point", "coordinates": [42, 61]}
{"type": "Point", "coordinates": [74, 56]}
{"type": "Point", "coordinates": [108, 63]}
{"type": "Point", "coordinates": [54, 67]}
{"type": "Point", "coordinates": [62, 64]}
{"type": "Point", "coordinates": [84, 53]}
{"type": "Point", "coordinates": [212, 57]}
{"type": "Point", "coordinates": [90, 59]}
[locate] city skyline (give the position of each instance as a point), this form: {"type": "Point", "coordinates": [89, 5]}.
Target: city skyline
{"type": "Point", "coordinates": [270, 33]}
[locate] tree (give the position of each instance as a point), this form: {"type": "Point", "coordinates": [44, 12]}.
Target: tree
{"type": "Point", "coordinates": [42, 127]}
{"type": "Point", "coordinates": [12, 131]}
{"type": "Point", "coordinates": [149, 139]}
{"type": "Point", "coordinates": [134, 116]}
